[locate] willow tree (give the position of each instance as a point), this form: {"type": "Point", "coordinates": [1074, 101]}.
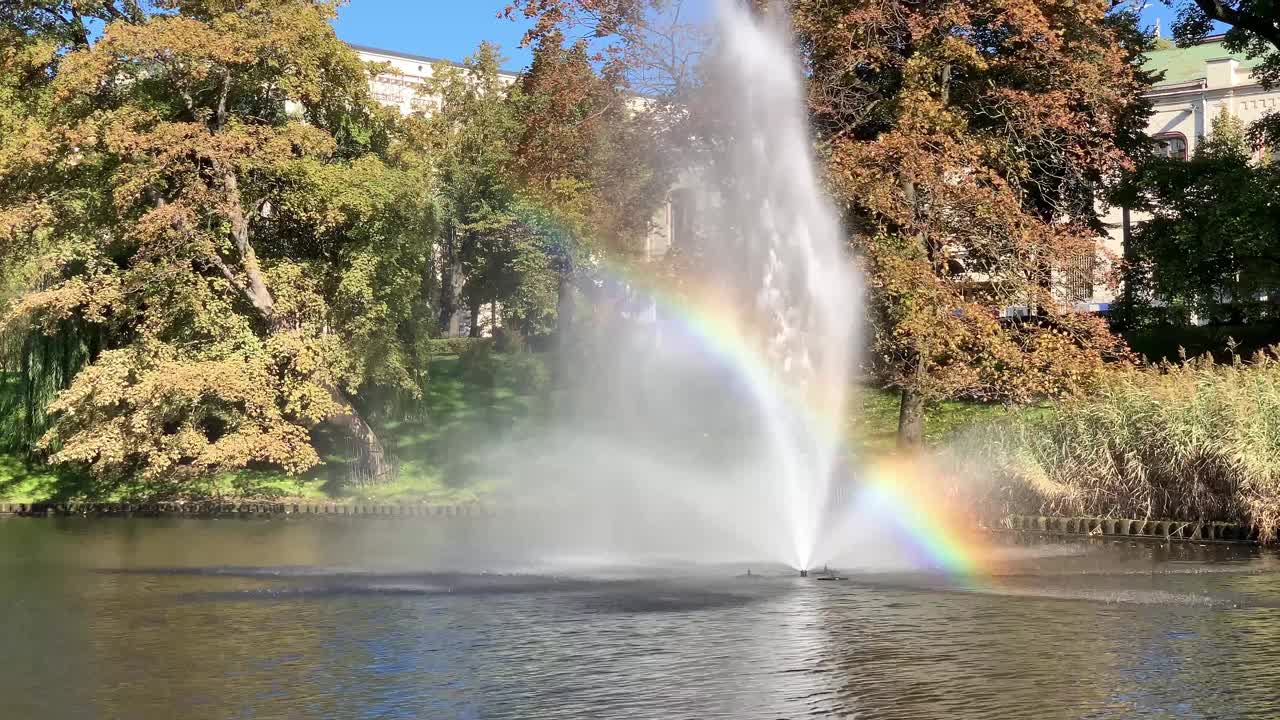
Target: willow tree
{"type": "Point", "coordinates": [969, 141]}
{"type": "Point", "coordinates": [210, 185]}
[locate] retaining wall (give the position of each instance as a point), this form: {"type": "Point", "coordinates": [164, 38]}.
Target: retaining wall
{"type": "Point", "coordinates": [1163, 530]}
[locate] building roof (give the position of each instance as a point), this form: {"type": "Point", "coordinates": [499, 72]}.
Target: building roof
{"type": "Point", "coordinates": [1186, 64]}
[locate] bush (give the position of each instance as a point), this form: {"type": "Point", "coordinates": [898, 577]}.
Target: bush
{"type": "Point", "coordinates": [1194, 441]}
{"type": "Point", "coordinates": [1170, 342]}
{"type": "Point", "coordinates": [524, 372]}
{"type": "Point", "coordinates": [454, 345]}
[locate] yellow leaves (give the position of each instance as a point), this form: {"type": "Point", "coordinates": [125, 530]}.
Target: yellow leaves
{"type": "Point", "coordinates": [155, 412]}
{"type": "Point", "coordinates": [20, 219]}
{"type": "Point", "coordinates": [88, 296]}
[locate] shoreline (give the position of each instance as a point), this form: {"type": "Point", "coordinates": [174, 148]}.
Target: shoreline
{"type": "Point", "coordinates": [241, 509]}
{"type": "Point", "coordinates": [1168, 531]}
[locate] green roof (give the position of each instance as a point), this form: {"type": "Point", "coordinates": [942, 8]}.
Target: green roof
{"type": "Point", "coordinates": [1186, 64]}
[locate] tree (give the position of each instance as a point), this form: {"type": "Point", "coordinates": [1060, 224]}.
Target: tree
{"type": "Point", "coordinates": [470, 136]}
{"type": "Point", "coordinates": [211, 187]}
{"type": "Point", "coordinates": [588, 152]}
{"type": "Point", "coordinates": [1212, 244]}
{"type": "Point", "coordinates": [968, 141]}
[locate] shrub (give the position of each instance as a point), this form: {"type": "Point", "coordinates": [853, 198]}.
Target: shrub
{"type": "Point", "coordinates": [525, 372]}
{"type": "Point", "coordinates": [479, 364]}
{"type": "Point", "coordinates": [1194, 440]}
{"type": "Point", "coordinates": [454, 345]}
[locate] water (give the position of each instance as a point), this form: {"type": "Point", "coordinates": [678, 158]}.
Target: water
{"type": "Point", "coordinates": [774, 211]}
{"type": "Point", "coordinates": [198, 619]}
{"type": "Point", "coordinates": [706, 414]}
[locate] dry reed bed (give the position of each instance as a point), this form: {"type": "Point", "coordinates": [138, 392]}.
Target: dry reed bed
{"type": "Point", "coordinates": [1191, 441]}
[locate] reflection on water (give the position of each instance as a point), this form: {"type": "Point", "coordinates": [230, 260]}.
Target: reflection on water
{"type": "Point", "coordinates": [324, 619]}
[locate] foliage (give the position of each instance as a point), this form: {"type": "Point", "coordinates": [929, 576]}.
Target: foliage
{"type": "Point", "coordinates": [453, 345]}
{"type": "Point", "coordinates": [1158, 342]}
{"type": "Point", "coordinates": [968, 141]}
{"type": "Point", "coordinates": [1209, 246]}
{"type": "Point", "coordinates": [211, 188]}
{"type": "Point", "coordinates": [1192, 440]}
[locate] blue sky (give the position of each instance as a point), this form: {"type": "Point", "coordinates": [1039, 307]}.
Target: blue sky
{"type": "Point", "coordinates": [452, 29]}
{"type": "Point", "coordinates": [449, 29]}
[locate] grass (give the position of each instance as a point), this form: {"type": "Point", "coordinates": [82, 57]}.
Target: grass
{"type": "Point", "coordinates": [470, 408]}
{"type": "Point", "coordinates": [873, 420]}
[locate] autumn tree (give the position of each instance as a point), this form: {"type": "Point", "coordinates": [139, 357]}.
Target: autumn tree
{"type": "Point", "coordinates": [656, 44]}
{"type": "Point", "coordinates": [968, 141]}
{"type": "Point", "coordinates": [210, 186]}
{"type": "Point", "coordinates": [588, 154]}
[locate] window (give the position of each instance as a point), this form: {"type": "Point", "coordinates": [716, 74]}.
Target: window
{"type": "Point", "coordinates": [1079, 277]}
{"type": "Point", "coordinates": [1171, 145]}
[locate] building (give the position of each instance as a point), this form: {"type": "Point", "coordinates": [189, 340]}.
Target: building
{"type": "Point", "coordinates": [1198, 83]}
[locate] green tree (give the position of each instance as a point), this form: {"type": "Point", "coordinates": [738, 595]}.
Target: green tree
{"type": "Point", "coordinates": [209, 185]}
{"type": "Point", "coordinates": [1211, 246]}
{"type": "Point", "coordinates": [493, 249]}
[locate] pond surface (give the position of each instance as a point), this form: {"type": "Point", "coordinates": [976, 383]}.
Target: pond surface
{"type": "Point", "coordinates": [329, 618]}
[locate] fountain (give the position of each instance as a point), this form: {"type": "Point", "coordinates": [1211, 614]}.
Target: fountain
{"type": "Point", "coordinates": [705, 422]}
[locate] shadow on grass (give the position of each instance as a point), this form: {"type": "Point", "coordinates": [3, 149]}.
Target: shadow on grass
{"type": "Point", "coordinates": [23, 481]}
{"type": "Point", "coordinates": [442, 453]}
{"type": "Point", "coordinates": [873, 420]}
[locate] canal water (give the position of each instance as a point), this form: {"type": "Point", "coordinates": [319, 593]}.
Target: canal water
{"type": "Point", "coordinates": [329, 618]}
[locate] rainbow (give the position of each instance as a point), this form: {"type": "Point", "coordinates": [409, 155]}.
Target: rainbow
{"type": "Point", "coordinates": [902, 493]}
{"type": "Point", "coordinates": [911, 500]}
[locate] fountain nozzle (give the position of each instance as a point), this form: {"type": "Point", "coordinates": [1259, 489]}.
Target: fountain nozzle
{"type": "Point", "coordinates": [804, 573]}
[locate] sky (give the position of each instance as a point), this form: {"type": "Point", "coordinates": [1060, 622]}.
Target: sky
{"type": "Point", "coordinates": [451, 29]}
{"type": "Point", "coordinates": [447, 29]}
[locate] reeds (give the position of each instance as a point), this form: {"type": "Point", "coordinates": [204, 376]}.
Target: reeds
{"type": "Point", "coordinates": [1193, 440]}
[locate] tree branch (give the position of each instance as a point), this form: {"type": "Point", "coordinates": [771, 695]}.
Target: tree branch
{"type": "Point", "coordinates": [220, 116]}
{"type": "Point", "coordinates": [1257, 24]}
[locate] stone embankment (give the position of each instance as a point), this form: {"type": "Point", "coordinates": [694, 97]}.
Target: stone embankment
{"type": "Point", "coordinates": [240, 509]}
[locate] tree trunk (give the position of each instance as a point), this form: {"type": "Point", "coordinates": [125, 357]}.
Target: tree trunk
{"type": "Point", "coordinates": [449, 272]}
{"type": "Point", "coordinates": [372, 466]}
{"type": "Point", "coordinates": [474, 330]}
{"type": "Point", "coordinates": [564, 309]}
{"type": "Point", "coordinates": [911, 420]}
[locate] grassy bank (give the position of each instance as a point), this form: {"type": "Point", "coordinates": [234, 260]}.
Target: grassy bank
{"type": "Point", "coordinates": [1195, 441]}
{"type": "Point", "coordinates": [470, 407]}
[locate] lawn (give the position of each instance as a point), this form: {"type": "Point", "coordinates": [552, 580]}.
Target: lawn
{"type": "Point", "coordinates": [873, 419]}
{"type": "Point", "coordinates": [468, 411]}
